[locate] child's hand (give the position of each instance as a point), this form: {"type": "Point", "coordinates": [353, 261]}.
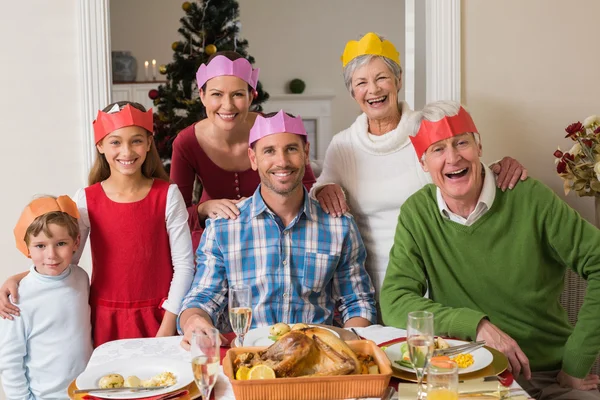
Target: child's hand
{"type": "Point", "coordinates": [9, 288]}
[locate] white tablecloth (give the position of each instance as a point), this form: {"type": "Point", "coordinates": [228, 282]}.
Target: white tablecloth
{"type": "Point", "coordinates": [169, 347]}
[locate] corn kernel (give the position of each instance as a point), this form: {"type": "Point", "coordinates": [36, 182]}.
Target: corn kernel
{"type": "Point", "coordinates": [464, 360]}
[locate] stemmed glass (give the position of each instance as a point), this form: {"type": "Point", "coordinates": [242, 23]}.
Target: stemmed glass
{"type": "Point", "coordinates": [442, 381]}
{"type": "Point", "coordinates": [240, 311]}
{"type": "Point", "coordinates": [419, 336]}
{"type": "Point", "coordinates": [205, 359]}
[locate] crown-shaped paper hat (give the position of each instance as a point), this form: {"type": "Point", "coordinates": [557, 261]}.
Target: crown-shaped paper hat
{"type": "Point", "coordinates": [37, 208]}
{"type": "Point", "coordinates": [278, 123]}
{"type": "Point", "coordinates": [447, 127]}
{"type": "Point", "coordinates": [370, 44]}
{"type": "Point", "coordinates": [106, 123]}
{"type": "Point", "coordinates": [221, 65]}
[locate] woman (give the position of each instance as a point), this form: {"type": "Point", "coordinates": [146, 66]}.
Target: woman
{"type": "Point", "coordinates": [216, 148]}
{"type": "Point", "coordinates": [373, 160]}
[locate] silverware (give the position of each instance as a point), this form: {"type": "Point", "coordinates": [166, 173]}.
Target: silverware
{"type": "Point", "coordinates": [356, 333]}
{"type": "Point", "coordinates": [388, 393]}
{"type": "Point", "coordinates": [495, 392]}
{"type": "Point", "coordinates": [463, 348]}
{"type": "Point", "coordinates": [122, 389]}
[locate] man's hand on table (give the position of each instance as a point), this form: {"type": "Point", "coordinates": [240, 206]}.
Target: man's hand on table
{"type": "Point", "coordinates": [496, 338]}
{"type": "Point", "coordinates": [590, 382]}
{"type": "Point", "coordinates": [194, 319]}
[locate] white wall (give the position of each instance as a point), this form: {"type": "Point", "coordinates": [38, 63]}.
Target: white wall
{"type": "Point", "coordinates": [39, 110]}
{"type": "Point", "coordinates": [530, 68]}
{"type": "Point", "coordinates": [291, 39]}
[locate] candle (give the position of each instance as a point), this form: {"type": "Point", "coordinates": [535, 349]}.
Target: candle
{"type": "Point", "coordinates": [146, 68]}
{"type": "Point", "coordinates": [154, 69]}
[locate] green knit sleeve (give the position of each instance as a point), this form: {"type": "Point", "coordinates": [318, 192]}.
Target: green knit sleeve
{"type": "Point", "coordinates": [405, 285]}
{"type": "Point", "coordinates": [577, 244]}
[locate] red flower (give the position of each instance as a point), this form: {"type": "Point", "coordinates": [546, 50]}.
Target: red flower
{"type": "Point", "coordinates": [587, 142]}
{"type": "Point", "coordinates": [568, 157]}
{"type": "Point", "coordinates": [597, 131]}
{"type": "Point", "coordinates": [573, 129]}
{"type": "Point", "coordinates": [561, 167]}
{"type": "Point", "coordinates": [558, 154]}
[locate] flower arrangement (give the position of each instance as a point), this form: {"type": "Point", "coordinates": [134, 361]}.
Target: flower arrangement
{"type": "Point", "coordinates": [580, 166]}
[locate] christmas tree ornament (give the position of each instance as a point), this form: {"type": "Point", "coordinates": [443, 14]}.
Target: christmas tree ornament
{"type": "Point", "coordinates": [176, 45]}
{"type": "Point", "coordinates": [297, 86]}
{"type": "Point", "coordinates": [370, 44]}
{"type": "Point", "coordinates": [162, 69]}
{"type": "Point", "coordinates": [153, 94]}
{"type": "Point", "coordinates": [156, 102]}
{"type": "Point", "coordinates": [210, 49]}
{"type": "Point", "coordinates": [221, 65]}
{"type": "Point", "coordinates": [187, 6]}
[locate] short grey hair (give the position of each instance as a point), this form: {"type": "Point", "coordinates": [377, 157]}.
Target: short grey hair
{"type": "Point", "coordinates": [433, 112]}
{"type": "Point", "coordinates": [363, 60]}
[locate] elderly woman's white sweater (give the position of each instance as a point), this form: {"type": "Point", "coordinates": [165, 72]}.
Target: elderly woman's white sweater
{"type": "Point", "coordinates": [378, 173]}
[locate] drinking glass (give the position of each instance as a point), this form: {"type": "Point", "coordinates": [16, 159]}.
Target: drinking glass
{"type": "Point", "coordinates": [419, 336]}
{"type": "Point", "coordinates": [240, 311]}
{"type": "Point", "coordinates": [205, 359]}
{"type": "Point", "coordinates": [442, 381]}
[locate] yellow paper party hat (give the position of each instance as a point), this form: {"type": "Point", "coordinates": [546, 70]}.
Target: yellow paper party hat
{"type": "Point", "coordinates": [369, 44]}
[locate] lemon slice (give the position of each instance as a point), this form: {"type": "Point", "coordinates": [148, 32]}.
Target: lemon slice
{"type": "Point", "coordinates": [261, 372]}
{"type": "Point", "coordinates": [242, 373]}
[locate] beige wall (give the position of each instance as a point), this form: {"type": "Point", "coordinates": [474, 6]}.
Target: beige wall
{"type": "Point", "coordinates": [530, 68]}
{"type": "Point", "coordinates": [40, 111]}
{"type": "Point", "coordinates": [289, 39]}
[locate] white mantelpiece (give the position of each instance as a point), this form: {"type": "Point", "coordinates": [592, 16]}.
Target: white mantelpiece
{"type": "Point", "coordinates": [315, 109]}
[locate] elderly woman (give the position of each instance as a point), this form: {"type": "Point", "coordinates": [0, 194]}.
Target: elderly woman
{"type": "Point", "coordinates": [373, 160]}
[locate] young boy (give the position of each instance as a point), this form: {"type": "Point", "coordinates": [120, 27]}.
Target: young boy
{"type": "Point", "coordinates": [44, 349]}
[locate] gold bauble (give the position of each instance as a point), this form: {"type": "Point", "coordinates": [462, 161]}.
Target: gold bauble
{"type": "Point", "coordinates": [162, 69]}
{"type": "Point", "coordinates": [175, 45]}
{"type": "Point", "coordinates": [186, 6]}
{"type": "Point", "coordinates": [210, 49]}
{"type": "Point", "coordinates": [156, 102]}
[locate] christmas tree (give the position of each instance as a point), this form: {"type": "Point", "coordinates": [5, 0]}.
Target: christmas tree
{"type": "Point", "coordinates": [207, 27]}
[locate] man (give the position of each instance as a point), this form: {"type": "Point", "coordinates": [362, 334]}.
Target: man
{"type": "Point", "coordinates": [299, 262]}
{"type": "Point", "coordinates": [494, 262]}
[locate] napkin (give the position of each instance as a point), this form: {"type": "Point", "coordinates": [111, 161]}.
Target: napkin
{"type": "Point", "coordinates": [164, 396]}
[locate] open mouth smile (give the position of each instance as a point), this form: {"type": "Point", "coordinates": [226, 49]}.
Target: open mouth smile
{"type": "Point", "coordinates": [457, 174]}
{"type": "Point", "coordinates": [377, 100]}
{"type": "Point", "coordinates": [227, 117]}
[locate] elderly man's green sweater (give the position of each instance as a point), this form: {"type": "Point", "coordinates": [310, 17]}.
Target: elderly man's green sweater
{"type": "Point", "coordinates": [508, 266]}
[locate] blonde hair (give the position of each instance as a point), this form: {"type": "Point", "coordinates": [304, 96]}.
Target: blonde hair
{"type": "Point", "coordinates": [40, 224]}
{"type": "Point", "coordinates": [152, 166]}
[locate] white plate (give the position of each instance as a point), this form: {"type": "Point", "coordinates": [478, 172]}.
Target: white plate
{"type": "Point", "coordinates": [482, 357]}
{"type": "Point", "coordinates": [143, 368]}
{"type": "Point", "coordinates": [260, 336]}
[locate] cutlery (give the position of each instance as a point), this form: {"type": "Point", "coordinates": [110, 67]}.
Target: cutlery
{"type": "Point", "coordinates": [463, 348]}
{"type": "Point", "coordinates": [498, 393]}
{"type": "Point", "coordinates": [122, 389]}
{"type": "Point", "coordinates": [388, 393]}
{"type": "Point", "coordinates": [356, 334]}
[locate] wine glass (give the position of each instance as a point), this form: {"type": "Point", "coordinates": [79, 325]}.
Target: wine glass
{"type": "Point", "coordinates": [442, 380]}
{"type": "Point", "coordinates": [240, 311]}
{"type": "Point", "coordinates": [419, 336]}
{"type": "Point", "coordinates": [204, 349]}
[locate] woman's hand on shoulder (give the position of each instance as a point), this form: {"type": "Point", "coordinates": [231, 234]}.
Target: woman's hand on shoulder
{"type": "Point", "coordinates": [225, 208]}
{"type": "Point", "coordinates": [332, 200]}
{"type": "Point", "coordinates": [590, 382]}
{"type": "Point", "coordinates": [9, 288]}
{"type": "Point", "coordinates": [509, 172]}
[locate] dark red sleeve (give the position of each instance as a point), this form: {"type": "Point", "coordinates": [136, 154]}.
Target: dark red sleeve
{"type": "Point", "coordinates": [309, 178]}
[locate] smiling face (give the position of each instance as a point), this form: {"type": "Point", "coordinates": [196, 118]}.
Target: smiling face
{"type": "Point", "coordinates": [375, 89]}
{"type": "Point", "coordinates": [280, 159]}
{"type": "Point", "coordinates": [455, 167]}
{"type": "Point", "coordinates": [125, 149]}
{"type": "Point", "coordinates": [52, 254]}
{"type": "Point", "coordinates": [227, 100]}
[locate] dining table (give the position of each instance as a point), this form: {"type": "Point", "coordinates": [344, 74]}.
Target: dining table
{"type": "Point", "coordinates": [170, 348]}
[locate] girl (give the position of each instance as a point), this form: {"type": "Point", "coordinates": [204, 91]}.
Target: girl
{"type": "Point", "coordinates": [141, 246]}
{"type": "Point", "coordinates": [216, 149]}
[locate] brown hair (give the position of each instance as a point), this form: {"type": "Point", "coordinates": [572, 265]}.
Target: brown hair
{"type": "Point", "coordinates": [40, 224]}
{"type": "Point", "coordinates": [152, 166]}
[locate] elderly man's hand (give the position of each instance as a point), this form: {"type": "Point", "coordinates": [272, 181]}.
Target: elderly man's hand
{"type": "Point", "coordinates": [590, 382]}
{"type": "Point", "coordinates": [332, 199]}
{"type": "Point", "coordinates": [509, 172]}
{"type": "Point", "coordinates": [496, 338]}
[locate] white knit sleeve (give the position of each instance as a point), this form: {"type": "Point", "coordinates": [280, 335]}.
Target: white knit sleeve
{"type": "Point", "coordinates": [84, 223]}
{"type": "Point", "coordinates": [331, 168]}
{"type": "Point", "coordinates": [182, 254]}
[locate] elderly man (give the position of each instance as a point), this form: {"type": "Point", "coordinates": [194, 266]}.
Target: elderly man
{"type": "Point", "coordinates": [494, 261]}
{"type": "Point", "coordinates": [300, 262]}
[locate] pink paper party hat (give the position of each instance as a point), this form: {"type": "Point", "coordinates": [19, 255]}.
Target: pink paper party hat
{"type": "Point", "coordinates": [221, 65]}
{"type": "Point", "coordinates": [278, 123]}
